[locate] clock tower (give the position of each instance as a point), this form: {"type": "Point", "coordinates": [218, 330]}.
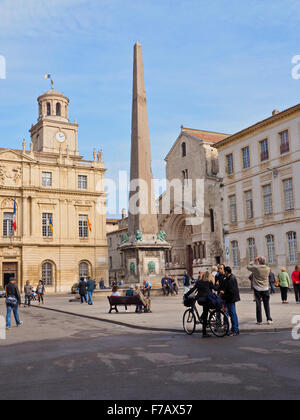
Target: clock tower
{"type": "Point", "coordinates": [54, 132]}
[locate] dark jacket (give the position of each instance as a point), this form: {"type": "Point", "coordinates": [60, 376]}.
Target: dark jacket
{"type": "Point", "coordinates": [203, 289]}
{"type": "Point", "coordinates": [219, 281]}
{"type": "Point", "coordinates": [12, 290]}
{"type": "Point", "coordinates": [186, 281]}
{"type": "Point", "coordinates": [82, 288]}
{"type": "Point", "coordinates": [90, 285]}
{"type": "Point", "coordinates": [272, 279]}
{"type": "Point", "coordinates": [231, 290]}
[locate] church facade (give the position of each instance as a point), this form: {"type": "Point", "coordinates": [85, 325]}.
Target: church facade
{"type": "Point", "coordinates": [60, 208]}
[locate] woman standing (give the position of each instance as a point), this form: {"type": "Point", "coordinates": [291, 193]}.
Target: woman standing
{"type": "Point", "coordinates": [284, 284]}
{"type": "Point", "coordinates": [13, 300]}
{"type": "Point", "coordinates": [296, 283]}
{"type": "Point", "coordinates": [40, 290]}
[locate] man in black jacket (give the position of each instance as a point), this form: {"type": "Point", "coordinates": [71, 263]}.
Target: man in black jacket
{"type": "Point", "coordinates": [231, 295]}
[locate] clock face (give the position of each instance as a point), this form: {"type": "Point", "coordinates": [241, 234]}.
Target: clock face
{"type": "Point", "coordinates": [60, 137]}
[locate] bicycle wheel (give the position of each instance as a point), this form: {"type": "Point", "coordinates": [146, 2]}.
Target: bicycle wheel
{"type": "Point", "coordinates": [189, 322]}
{"type": "Point", "coordinates": [219, 323]}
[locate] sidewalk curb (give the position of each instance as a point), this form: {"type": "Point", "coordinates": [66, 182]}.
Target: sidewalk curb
{"type": "Point", "coordinates": [137, 327]}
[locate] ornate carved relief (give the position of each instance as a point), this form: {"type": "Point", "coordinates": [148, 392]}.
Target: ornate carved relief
{"type": "Point", "coordinates": [10, 175]}
{"type": "Point", "coordinates": [7, 203]}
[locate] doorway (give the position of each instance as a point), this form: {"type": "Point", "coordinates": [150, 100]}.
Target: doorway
{"type": "Point", "coordinates": [9, 270]}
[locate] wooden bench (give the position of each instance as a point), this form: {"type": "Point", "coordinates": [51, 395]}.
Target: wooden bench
{"type": "Point", "coordinates": [116, 301]}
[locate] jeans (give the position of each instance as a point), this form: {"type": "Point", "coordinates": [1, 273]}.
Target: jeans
{"type": "Point", "coordinates": [27, 300]}
{"type": "Point", "coordinates": [265, 297]}
{"type": "Point", "coordinates": [231, 309]}
{"type": "Point", "coordinates": [15, 309]}
{"type": "Point", "coordinates": [90, 298]}
{"type": "Point", "coordinates": [146, 293]}
{"type": "Point", "coordinates": [83, 298]}
{"type": "Point", "coordinates": [297, 292]}
{"type": "Point", "coordinates": [272, 287]}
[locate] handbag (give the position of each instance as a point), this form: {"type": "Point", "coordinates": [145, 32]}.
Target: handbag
{"type": "Point", "coordinates": [11, 301]}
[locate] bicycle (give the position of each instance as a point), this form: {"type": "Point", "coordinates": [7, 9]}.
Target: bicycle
{"type": "Point", "coordinates": [218, 321]}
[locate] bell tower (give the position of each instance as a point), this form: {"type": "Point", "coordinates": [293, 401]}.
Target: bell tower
{"type": "Point", "coordinates": [53, 131]}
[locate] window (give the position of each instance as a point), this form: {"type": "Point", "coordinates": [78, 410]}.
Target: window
{"type": "Point", "coordinates": [122, 259]}
{"type": "Point", "coordinates": [268, 201]}
{"type": "Point", "coordinates": [183, 149]}
{"type": "Point", "coordinates": [284, 142]}
{"type": "Point", "coordinates": [251, 248]}
{"type": "Point", "coordinates": [212, 220]}
{"type": "Point", "coordinates": [82, 182]}
{"type": "Point", "coordinates": [83, 270]}
{"type": "Point", "coordinates": [230, 168]}
{"type": "Point", "coordinates": [47, 179]}
{"type": "Point", "coordinates": [83, 226]}
{"type": "Point", "coordinates": [48, 108]}
{"type": "Point", "coordinates": [264, 150]}
{"type": "Point", "coordinates": [288, 194]}
{"type": "Point", "coordinates": [292, 243]}
{"type": "Point", "coordinates": [270, 249]}
{"type": "Point", "coordinates": [233, 211]}
{"type": "Point", "coordinates": [249, 205]}
{"type": "Point", "coordinates": [47, 223]}
{"type": "Point", "coordinates": [47, 274]}
{"type": "Point", "coordinates": [246, 157]}
{"type": "Point", "coordinates": [8, 229]}
{"type": "Point", "coordinates": [235, 253]}
{"type": "Point", "coordinates": [58, 109]}
{"type": "Point", "coordinates": [110, 263]}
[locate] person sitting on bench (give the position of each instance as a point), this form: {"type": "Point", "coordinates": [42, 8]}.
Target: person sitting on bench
{"type": "Point", "coordinates": [145, 301]}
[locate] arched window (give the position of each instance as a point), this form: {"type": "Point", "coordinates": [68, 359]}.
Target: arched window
{"type": "Point", "coordinates": [48, 108]}
{"type": "Point", "coordinates": [235, 253]}
{"type": "Point", "coordinates": [58, 109]}
{"type": "Point", "coordinates": [212, 220]}
{"type": "Point", "coordinates": [270, 249]}
{"type": "Point", "coordinates": [83, 270]}
{"type": "Point", "coordinates": [183, 149]}
{"type": "Point", "coordinates": [47, 274]}
{"type": "Point", "coordinates": [251, 248]}
{"type": "Point", "coordinates": [292, 243]}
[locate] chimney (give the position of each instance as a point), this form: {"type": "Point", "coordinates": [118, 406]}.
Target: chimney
{"type": "Point", "coordinates": [275, 112]}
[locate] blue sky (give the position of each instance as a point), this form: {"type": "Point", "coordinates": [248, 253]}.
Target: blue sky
{"type": "Point", "coordinates": [216, 65]}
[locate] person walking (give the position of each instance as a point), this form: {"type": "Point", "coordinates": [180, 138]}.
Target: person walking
{"type": "Point", "coordinates": [284, 284]}
{"type": "Point", "coordinates": [272, 281]}
{"type": "Point", "coordinates": [203, 288]}
{"type": "Point", "coordinates": [40, 290]}
{"type": "Point", "coordinates": [186, 283]}
{"type": "Point", "coordinates": [296, 283]}
{"type": "Point", "coordinates": [90, 287]}
{"type": "Point", "coordinates": [13, 301]}
{"type": "Point", "coordinates": [27, 292]}
{"type": "Point", "coordinates": [231, 295]}
{"type": "Point", "coordinates": [260, 282]}
{"type": "Point", "coordinates": [82, 288]}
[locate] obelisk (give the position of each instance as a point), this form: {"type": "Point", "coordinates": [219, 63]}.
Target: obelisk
{"type": "Point", "coordinates": [144, 248]}
{"type": "Point", "coordinates": [146, 219]}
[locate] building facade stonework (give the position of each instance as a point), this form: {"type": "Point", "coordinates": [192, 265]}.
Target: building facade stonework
{"type": "Point", "coordinates": [59, 197]}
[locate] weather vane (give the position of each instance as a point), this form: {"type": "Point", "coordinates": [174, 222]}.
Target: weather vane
{"type": "Point", "coordinates": [48, 76]}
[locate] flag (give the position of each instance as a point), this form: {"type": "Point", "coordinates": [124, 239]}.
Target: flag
{"type": "Point", "coordinates": [89, 224]}
{"type": "Point", "coordinates": [51, 224]}
{"type": "Point", "coordinates": [15, 216]}
{"type": "Point", "coordinates": [47, 76]}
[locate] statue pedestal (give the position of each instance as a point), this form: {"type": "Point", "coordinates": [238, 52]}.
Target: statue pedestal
{"type": "Point", "coordinates": [144, 260]}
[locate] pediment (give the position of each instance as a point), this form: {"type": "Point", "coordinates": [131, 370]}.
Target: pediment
{"type": "Point", "coordinates": [182, 137]}
{"type": "Point", "coordinates": [14, 156]}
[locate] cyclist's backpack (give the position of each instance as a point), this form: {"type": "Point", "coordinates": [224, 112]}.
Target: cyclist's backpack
{"type": "Point", "coordinates": [215, 301]}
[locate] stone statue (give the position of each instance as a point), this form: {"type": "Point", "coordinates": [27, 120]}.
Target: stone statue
{"type": "Point", "coordinates": [138, 236]}
{"type": "Point", "coordinates": [132, 268]}
{"type": "Point", "coordinates": [161, 236]}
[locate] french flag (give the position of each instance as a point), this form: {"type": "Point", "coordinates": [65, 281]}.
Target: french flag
{"type": "Point", "coordinates": [15, 216]}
